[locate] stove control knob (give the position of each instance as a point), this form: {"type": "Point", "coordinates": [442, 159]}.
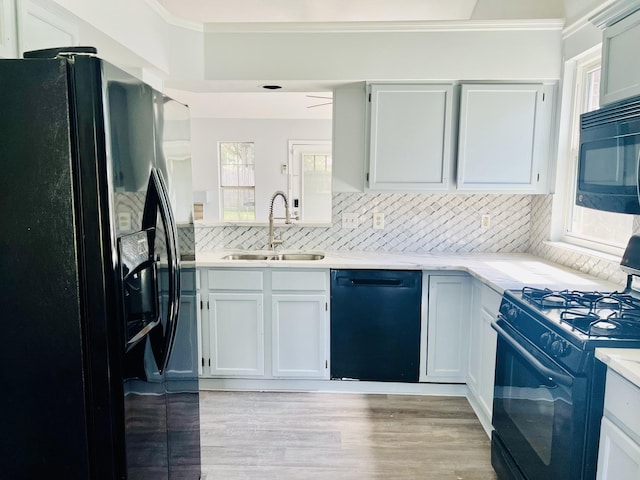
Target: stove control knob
{"type": "Point", "coordinates": [547, 340]}
{"type": "Point", "coordinates": [509, 311]}
{"type": "Point", "coordinates": [559, 348]}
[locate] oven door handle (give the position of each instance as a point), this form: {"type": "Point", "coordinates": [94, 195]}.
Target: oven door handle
{"type": "Point", "coordinates": [552, 375]}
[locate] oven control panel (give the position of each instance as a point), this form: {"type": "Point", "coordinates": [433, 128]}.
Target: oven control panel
{"type": "Point", "coordinates": [543, 334]}
{"type": "Point", "coordinates": [554, 345]}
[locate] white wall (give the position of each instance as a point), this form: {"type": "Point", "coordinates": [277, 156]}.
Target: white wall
{"type": "Point", "coordinates": [451, 53]}
{"type": "Point", "coordinates": [271, 144]}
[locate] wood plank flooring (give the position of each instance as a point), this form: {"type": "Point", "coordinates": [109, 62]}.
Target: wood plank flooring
{"type": "Point", "coordinates": [309, 436]}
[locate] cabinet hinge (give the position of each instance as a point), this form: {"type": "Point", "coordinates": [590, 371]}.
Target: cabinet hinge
{"type": "Point", "coordinates": [367, 176]}
{"type": "Point", "coordinates": [538, 178]}
{"type": "Point", "coordinates": [209, 362]}
{"type": "Point", "coordinates": [543, 96]}
{"type": "Point", "coordinates": [208, 305]}
{"type": "Point", "coordinates": [326, 307]}
{"type": "Point", "coordinates": [369, 97]}
{"type": "Point", "coordinates": [201, 305]}
{"type": "Point", "coordinates": [326, 364]}
{"type": "Point", "coordinates": [203, 361]}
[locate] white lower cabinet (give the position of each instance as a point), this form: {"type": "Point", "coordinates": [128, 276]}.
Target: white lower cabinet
{"type": "Point", "coordinates": [619, 456]}
{"type": "Point", "coordinates": [485, 303]}
{"type": "Point", "coordinates": [266, 323]}
{"type": "Point", "coordinates": [236, 334]}
{"type": "Point", "coordinates": [299, 336]}
{"type": "Point", "coordinates": [619, 451]}
{"type": "Point", "coordinates": [447, 328]}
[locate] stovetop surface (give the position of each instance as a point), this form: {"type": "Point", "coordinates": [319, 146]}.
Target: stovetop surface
{"type": "Point", "coordinates": [596, 318]}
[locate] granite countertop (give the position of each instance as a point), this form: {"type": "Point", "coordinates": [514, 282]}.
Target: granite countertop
{"type": "Point", "coordinates": [625, 361]}
{"type": "Point", "coordinates": [501, 271]}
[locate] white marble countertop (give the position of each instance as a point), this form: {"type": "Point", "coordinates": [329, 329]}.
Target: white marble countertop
{"type": "Point", "coordinates": [625, 361]}
{"type": "Point", "coordinates": [501, 271]}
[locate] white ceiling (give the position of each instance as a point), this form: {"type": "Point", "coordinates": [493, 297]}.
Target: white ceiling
{"type": "Point", "coordinates": [252, 11]}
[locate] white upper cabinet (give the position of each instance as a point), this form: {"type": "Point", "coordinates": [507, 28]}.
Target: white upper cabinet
{"type": "Point", "coordinates": [7, 29]}
{"type": "Point", "coordinates": [41, 27]}
{"type": "Point", "coordinates": [620, 68]}
{"type": "Point", "coordinates": [504, 138]}
{"type": "Point", "coordinates": [410, 137]}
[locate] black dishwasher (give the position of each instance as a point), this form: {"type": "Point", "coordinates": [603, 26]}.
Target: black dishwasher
{"type": "Point", "coordinates": [375, 325]}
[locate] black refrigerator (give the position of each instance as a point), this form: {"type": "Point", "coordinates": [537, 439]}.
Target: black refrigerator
{"type": "Point", "coordinates": [98, 342]}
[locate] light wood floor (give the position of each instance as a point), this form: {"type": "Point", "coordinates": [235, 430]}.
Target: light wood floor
{"type": "Point", "coordinates": [309, 436]}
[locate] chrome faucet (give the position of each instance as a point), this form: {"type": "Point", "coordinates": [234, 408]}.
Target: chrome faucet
{"type": "Point", "coordinates": [273, 242]}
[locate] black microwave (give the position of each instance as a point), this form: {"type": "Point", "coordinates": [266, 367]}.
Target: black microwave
{"type": "Point", "coordinates": [608, 158]}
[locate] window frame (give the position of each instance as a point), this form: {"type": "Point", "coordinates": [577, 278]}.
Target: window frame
{"type": "Point", "coordinates": [222, 188]}
{"type": "Point", "coordinates": [581, 68]}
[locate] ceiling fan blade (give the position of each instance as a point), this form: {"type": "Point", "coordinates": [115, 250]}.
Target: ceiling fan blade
{"type": "Point", "coordinates": [318, 96]}
{"type": "Point", "coordinates": [320, 105]}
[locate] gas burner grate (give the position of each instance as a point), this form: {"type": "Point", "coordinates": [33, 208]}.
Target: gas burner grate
{"type": "Point", "coordinates": [592, 313]}
{"type": "Point", "coordinates": [546, 298]}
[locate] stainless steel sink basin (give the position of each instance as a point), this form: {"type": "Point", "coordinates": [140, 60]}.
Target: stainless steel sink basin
{"type": "Point", "coordinates": [275, 256]}
{"type": "Point", "coordinates": [298, 256]}
{"type": "Point", "coordinates": [247, 256]}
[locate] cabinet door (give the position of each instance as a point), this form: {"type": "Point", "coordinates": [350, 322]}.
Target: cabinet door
{"type": "Point", "coordinates": [299, 336]}
{"type": "Point", "coordinates": [619, 455]}
{"type": "Point", "coordinates": [200, 337]}
{"type": "Point", "coordinates": [185, 358]}
{"type": "Point", "coordinates": [488, 339]}
{"type": "Point", "coordinates": [236, 329]}
{"type": "Point", "coordinates": [504, 138]}
{"type": "Point", "coordinates": [447, 343]}
{"type": "Point", "coordinates": [475, 341]}
{"type": "Point", "coordinates": [7, 29]}
{"type": "Point", "coordinates": [620, 77]}
{"type": "Point", "coordinates": [44, 27]}
{"type": "Point", "coordinates": [410, 137]}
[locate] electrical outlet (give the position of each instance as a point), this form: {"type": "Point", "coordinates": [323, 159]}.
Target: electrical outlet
{"type": "Point", "coordinates": [378, 220]}
{"type": "Point", "coordinates": [124, 221]}
{"type": "Point", "coordinates": [349, 220]}
{"type": "Point", "coordinates": [485, 222]}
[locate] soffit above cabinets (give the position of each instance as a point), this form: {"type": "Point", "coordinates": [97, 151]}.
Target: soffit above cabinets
{"type": "Point", "coordinates": [354, 11]}
{"type": "Point", "coordinates": [267, 11]}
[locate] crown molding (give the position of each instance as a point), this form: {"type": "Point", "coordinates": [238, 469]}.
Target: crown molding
{"type": "Point", "coordinates": [172, 19]}
{"type": "Point", "coordinates": [613, 12]}
{"type": "Point", "coordinates": [369, 27]}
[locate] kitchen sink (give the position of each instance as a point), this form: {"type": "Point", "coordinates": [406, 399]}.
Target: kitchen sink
{"type": "Point", "coordinates": [274, 256]}
{"type": "Point", "coordinates": [298, 256]}
{"type": "Point", "coordinates": [247, 256]}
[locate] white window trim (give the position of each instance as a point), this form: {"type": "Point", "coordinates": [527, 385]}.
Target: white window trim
{"type": "Point", "coordinates": [564, 199]}
{"type": "Point", "coordinates": [221, 220]}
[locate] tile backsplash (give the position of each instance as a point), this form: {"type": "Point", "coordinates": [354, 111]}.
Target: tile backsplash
{"type": "Point", "coordinates": [601, 267]}
{"type": "Point", "coordinates": [413, 223]}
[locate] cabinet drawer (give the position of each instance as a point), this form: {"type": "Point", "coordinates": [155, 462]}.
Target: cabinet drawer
{"type": "Point", "coordinates": [621, 400]}
{"type": "Point", "coordinates": [296, 280]}
{"type": "Point", "coordinates": [235, 279]}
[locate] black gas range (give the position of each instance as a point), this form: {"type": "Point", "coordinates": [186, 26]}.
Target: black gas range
{"type": "Point", "coordinates": [549, 388]}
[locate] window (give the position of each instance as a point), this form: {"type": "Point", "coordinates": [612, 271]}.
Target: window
{"type": "Point", "coordinates": [237, 181]}
{"type": "Point", "coordinates": [604, 231]}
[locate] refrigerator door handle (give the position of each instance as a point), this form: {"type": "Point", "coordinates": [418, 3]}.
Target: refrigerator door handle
{"type": "Point", "coordinates": [174, 270]}
{"type": "Point", "coordinates": [158, 191]}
